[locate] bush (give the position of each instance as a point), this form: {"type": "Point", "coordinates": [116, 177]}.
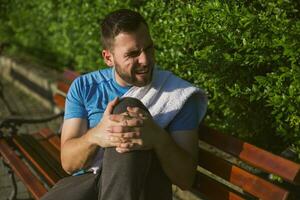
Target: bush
{"type": "Point", "coordinates": [244, 53]}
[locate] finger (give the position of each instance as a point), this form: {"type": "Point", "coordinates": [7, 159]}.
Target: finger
{"type": "Point", "coordinates": [129, 135]}
{"type": "Point", "coordinates": [110, 106]}
{"type": "Point", "coordinates": [119, 117]}
{"type": "Point", "coordinates": [114, 143]}
{"type": "Point", "coordinates": [133, 122]}
{"type": "Point", "coordinates": [126, 145]}
{"type": "Point", "coordinates": [137, 112]}
{"type": "Point", "coordinates": [134, 109]}
{"type": "Point", "coordinates": [122, 150]}
{"type": "Point", "coordinates": [121, 129]}
{"type": "Point", "coordinates": [115, 139]}
{"type": "Point", "coordinates": [132, 147]}
{"type": "Point", "coordinates": [125, 120]}
{"type": "Point", "coordinates": [137, 143]}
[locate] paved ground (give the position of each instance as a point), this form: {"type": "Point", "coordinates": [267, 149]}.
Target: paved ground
{"type": "Point", "coordinates": [18, 102]}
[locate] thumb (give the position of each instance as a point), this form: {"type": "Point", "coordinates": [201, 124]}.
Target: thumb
{"type": "Point", "coordinates": [110, 106]}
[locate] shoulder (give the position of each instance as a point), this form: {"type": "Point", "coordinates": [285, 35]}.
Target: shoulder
{"type": "Point", "coordinates": [95, 77]}
{"type": "Point", "coordinates": [86, 83]}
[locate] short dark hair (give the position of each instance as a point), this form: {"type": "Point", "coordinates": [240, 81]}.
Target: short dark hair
{"type": "Point", "coordinates": [122, 20]}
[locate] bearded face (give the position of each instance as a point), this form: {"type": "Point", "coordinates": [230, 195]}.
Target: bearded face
{"type": "Point", "coordinates": [132, 56]}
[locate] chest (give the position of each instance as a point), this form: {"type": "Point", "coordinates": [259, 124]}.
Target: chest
{"type": "Point", "coordinates": [96, 101]}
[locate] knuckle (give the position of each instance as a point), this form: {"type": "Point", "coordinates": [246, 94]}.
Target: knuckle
{"type": "Point", "coordinates": [141, 142]}
{"type": "Point", "coordinates": [128, 135]}
{"type": "Point", "coordinates": [128, 129]}
{"type": "Point", "coordinates": [121, 129]}
{"type": "Point", "coordinates": [138, 133]}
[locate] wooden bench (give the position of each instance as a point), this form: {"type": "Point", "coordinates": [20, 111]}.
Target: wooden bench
{"type": "Point", "coordinates": [228, 167]}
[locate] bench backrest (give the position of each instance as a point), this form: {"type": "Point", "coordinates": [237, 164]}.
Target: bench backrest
{"type": "Point", "coordinates": [246, 166]}
{"type": "Point", "coordinates": [228, 168]}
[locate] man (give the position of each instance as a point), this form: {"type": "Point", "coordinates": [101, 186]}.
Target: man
{"type": "Point", "coordinates": [116, 146]}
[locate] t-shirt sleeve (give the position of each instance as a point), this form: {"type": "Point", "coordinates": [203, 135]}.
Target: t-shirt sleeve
{"type": "Point", "coordinates": [74, 106]}
{"type": "Point", "coordinates": [190, 115]}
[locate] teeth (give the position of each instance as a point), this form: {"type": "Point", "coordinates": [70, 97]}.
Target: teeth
{"type": "Point", "coordinates": [141, 72]}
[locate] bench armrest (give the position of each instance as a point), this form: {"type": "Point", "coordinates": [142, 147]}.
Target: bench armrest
{"type": "Point", "coordinates": [13, 121]}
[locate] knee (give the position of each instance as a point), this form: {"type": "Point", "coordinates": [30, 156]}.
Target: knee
{"type": "Point", "coordinates": [130, 158]}
{"type": "Point", "coordinates": [128, 101]}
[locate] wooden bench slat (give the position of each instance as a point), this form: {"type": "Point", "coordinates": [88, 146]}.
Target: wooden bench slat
{"type": "Point", "coordinates": [213, 189]}
{"type": "Point", "coordinates": [70, 75]}
{"type": "Point", "coordinates": [45, 155]}
{"type": "Point", "coordinates": [50, 176]}
{"type": "Point", "coordinates": [47, 146]}
{"type": "Point", "coordinates": [32, 183]}
{"type": "Point", "coordinates": [253, 155]}
{"type": "Point", "coordinates": [53, 138]}
{"type": "Point", "coordinates": [250, 183]}
{"type": "Point", "coordinates": [59, 100]}
{"type": "Point", "coordinates": [63, 87]}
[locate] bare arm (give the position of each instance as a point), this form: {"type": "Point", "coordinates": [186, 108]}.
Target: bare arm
{"type": "Point", "coordinates": [178, 155]}
{"type": "Point", "coordinates": [77, 149]}
{"type": "Point", "coordinates": [79, 145]}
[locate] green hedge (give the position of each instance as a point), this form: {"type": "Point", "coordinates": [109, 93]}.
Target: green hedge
{"type": "Point", "coordinates": [244, 53]}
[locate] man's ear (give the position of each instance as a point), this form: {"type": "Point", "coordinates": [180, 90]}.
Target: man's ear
{"type": "Point", "coordinates": [108, 57]}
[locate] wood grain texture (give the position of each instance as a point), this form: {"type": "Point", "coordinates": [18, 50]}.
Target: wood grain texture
{"type": "Point", "coordinates": [48, 173]}
{"type": "Point", "coordinates": [63, 87]}
{"type": "Point", "coordinates": [53, 138]}
{"type": "Point", "coordinates": [70, 75]}
{"type": "Point", "coordinates": [32, 183]}
{"type": "Point", "coordinates": [250, 183]}
{"type": "Point", "coordinates": [255, 156]}
{"type": "Point", "coordinates": [214, 190]}
{"type": "Point", "coordinates": [59, 100]}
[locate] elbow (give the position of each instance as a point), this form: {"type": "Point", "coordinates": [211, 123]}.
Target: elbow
{"type": "Point", "coordinates": [67, 167]}
{"type": "Point", "coordinates": [70, 166]}
{"type": "Point", "coordinates": [66, 164]}
{"type": "Point", "coordinates": [187, 182]}
{"type": "Point", "coordinates": [187, 185]}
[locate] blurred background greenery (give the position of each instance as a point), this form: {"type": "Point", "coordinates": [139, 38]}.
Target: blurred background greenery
{"type": "Point", "coordinates": [245, 54]}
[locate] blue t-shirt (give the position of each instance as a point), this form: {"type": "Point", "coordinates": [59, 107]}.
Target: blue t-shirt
{"type": "Point", "coordinates": [89, 95]}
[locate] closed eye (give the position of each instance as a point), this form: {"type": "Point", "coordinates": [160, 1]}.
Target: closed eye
{"type": "Point", "coordinates": [133, 53]}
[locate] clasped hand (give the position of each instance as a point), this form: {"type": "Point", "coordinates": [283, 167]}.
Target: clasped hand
{"type": "Point", "coordinates": [131, 130]}
{"type": "Point", "coordinates": [135, 130]}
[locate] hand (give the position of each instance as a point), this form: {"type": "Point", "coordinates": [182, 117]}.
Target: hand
{"type": "Point", "coordinates": [138, 132]}
{"type": "Point", "coordinates": [101, 133]}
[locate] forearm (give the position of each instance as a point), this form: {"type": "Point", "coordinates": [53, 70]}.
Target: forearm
{"type": "Point", "coordinates": [179, 165]}
{"type": "Point", "coordinates": [77, 153]}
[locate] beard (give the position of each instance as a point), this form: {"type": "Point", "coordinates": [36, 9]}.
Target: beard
{"type": "Point", "coordinates": [131, 77]}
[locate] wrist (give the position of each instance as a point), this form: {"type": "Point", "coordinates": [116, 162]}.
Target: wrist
{"type": "Point", "coordinates": [90, 138]}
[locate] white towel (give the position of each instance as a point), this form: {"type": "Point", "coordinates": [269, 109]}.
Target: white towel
{"type": "Point", "coordinates": [166, 95]}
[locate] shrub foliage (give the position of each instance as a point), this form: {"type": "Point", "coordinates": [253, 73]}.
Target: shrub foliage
{"type": "Point", "coordinates": [244, 53]}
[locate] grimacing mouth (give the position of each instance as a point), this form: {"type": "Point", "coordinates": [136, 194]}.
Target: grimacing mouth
{"type": "Point", "coordinates": [144, 70]}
